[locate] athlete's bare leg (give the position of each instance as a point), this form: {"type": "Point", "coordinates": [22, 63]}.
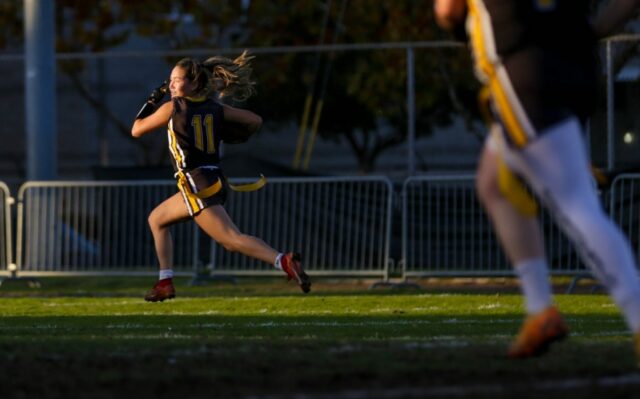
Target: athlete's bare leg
{"type": "Point", "coordinates": [215, 221]}
{"type": "Point", "coordinates": [169, 212]}
{"type": "Point", "coordinates": [520, 235]}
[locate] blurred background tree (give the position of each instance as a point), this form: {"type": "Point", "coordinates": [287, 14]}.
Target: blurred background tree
{"type": "Point", "coordinates": [363, 93]}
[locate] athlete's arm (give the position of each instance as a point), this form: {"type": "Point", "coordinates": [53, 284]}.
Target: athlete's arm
{"type": "Point", "coordinates": [247, 119]}
{"type": "Point", "coordinates": [450, 13]}
{"type": "Point", "coordinates": [158, 119]}
{"type": "Point", "coordinates": [613, 16]}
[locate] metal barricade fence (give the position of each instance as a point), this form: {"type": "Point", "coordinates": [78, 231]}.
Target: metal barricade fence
{"type": "Point", "coordinates": [624, 207]}
{"type": "Point", "coordinates": [77, 228]}
{"type": "Point", "coordinates": [446, 232]}
{"type": "Point", "coordinates": [341, 225]}
{"type": "Point", "coordinates": [5, 228]}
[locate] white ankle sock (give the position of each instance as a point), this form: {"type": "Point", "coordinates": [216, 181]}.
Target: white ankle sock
{"type": "Point", "coordinates": [166, 273]}
{"type": "Point", "coordinates": [534, 283]}
{"type": "Point", "coordinates": [278, 265]}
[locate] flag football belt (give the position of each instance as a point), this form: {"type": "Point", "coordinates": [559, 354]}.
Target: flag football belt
{"type": "Point", "coordinates": [256, 185]}
{"type": "Point", "coordinates": [217, 186]}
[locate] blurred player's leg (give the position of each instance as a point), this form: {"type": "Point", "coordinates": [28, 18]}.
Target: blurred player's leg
{"type": "Point", "coordinates": [520, 235]}
{"type": "Point", "coordinates": [557, 168]}
{"type": "Point", "coordinates": [522, 241]}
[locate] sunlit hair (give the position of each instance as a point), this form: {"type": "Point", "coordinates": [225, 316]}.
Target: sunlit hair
{"type": "Point", "coordinates": [221, 75]}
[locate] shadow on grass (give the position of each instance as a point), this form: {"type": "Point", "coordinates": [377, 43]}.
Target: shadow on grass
{"type": "Point", "coordinates": [253, 356]}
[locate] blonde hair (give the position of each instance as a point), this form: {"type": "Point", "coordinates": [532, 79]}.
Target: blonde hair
{"type": "Point", "coordinates": [221, 75]}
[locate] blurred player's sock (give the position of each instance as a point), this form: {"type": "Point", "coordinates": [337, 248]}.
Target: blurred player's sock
{"type": "Point", "coordinates": [537, 333]}
{"type": "Point", "coordinates": [534, 282]}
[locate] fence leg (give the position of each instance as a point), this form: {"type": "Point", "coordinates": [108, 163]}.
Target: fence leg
{"type": "Point", "coordinates": [31, 281]}
{"type": "Point", "coordinates": [200, 280]}
{"type": "Point", "coordinates": [392, 285]}
{"type": "Point", "coordinates": [574, 283]}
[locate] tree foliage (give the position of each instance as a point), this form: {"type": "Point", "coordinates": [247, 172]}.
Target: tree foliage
{"type": "Point", "coordinates": [363, 91]}
{"type": "Point", "coordinates": [365, 97]}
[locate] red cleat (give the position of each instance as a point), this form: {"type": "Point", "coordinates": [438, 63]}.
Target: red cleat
{"type": "Point", "coordinates": [291, 265]}
{"type": "Point", "coordinates": [162, 290]}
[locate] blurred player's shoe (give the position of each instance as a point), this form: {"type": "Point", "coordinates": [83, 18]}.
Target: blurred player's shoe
{"type": "Point", "coordinates": [162, 290]}
{"type": "Point", "coordinates": [537, 333]}
{"type": "Point", "coordinates": [291, 265]}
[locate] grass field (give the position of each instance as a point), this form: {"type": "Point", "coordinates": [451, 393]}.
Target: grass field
{"type": "Point", "coordinates": [96, 338]}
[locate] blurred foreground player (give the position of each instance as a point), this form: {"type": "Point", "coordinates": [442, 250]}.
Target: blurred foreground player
{"type": "Point", "coordinates": [537, 62]}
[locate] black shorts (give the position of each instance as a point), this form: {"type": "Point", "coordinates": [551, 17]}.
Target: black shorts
{"type": "Point", "coordinates": [202, 187]}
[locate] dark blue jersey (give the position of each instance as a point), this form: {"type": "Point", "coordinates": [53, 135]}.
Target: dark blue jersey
{"type": "Point", "coordinates": [194, 132]}
{"type": "Point", "coordinates": [547, 24]}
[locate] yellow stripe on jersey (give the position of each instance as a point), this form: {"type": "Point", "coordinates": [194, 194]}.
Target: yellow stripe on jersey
{"type": "Point", "coordinates": [508, 116]}
{"type": "Point", "coordinates": [478, 23]}
{"type": "Point", "coordinates": [477, 40]}
{"type": "Point", "coordinates": [176, 151]}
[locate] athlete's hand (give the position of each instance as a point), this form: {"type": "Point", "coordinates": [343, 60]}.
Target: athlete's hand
{"type": "Point", "coordinates": [154, 99]}
{"type": "Point", "coordinates": [450, 13]}
{"type": "Point", "coordinates": [158, 93]}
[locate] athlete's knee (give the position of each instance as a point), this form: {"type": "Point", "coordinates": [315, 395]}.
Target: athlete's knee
{"type": "Point", "coordinates": [487, 189]}
{"type": "Point", "coordinates": [155, 222]}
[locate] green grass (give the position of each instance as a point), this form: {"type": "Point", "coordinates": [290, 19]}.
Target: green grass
{"type": "Point", "coordinates": [97, 338]}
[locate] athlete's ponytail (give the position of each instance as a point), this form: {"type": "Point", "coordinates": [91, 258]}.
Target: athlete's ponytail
{"type": "Point", "coordinates": [221, 75]}
{"type": "Point", "coordinates": [231, 78]}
